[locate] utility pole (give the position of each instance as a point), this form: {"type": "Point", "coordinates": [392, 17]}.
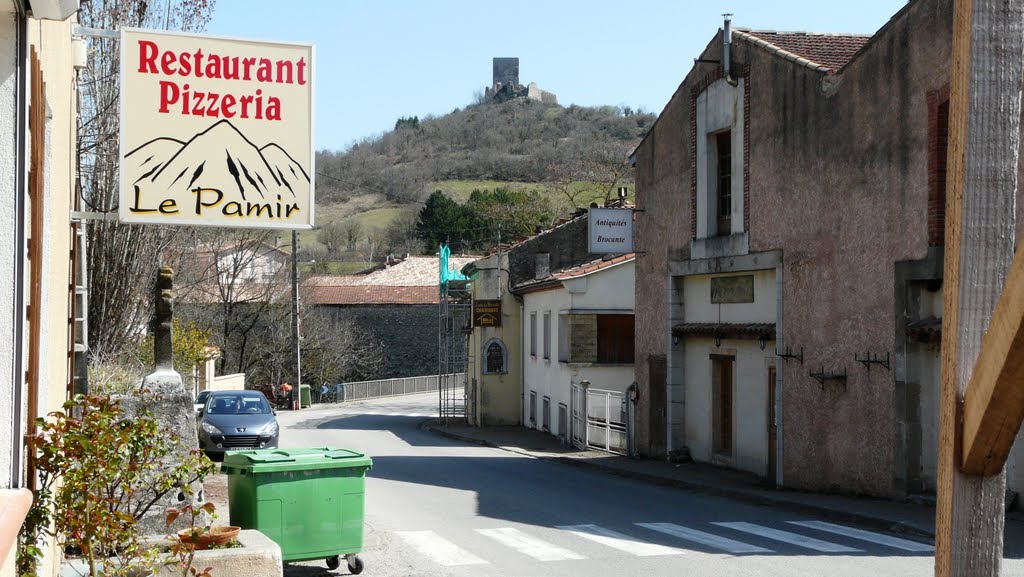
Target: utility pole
{"type": "Point", "coordinates": [296, 339]}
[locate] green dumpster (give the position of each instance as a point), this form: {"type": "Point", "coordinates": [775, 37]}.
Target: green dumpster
{"type": "Point", "coordinates": [309, 501]}
{"type": "Point", "coordinates": [305, 396]}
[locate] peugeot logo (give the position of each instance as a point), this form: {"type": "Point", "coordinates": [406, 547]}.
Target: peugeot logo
{"type": "Point", "coordinates": [240, 429]}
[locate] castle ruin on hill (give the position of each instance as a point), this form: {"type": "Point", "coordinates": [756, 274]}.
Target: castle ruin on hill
{"type": "Point", "coordinates": [505, 84]}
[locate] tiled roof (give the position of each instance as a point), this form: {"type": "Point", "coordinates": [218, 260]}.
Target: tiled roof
{"type": "Point", "coordinates": [413, 280]}
{"type": "Point", "coordinates": [372, 295]}
{"type": "Point", "coordinates": [555, 279]}
{"type": "Point", "coordinates": [592, 266]}
{"type": "Point", "coordinates": [823, 52]}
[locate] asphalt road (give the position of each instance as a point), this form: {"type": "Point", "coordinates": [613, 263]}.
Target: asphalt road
{"type": "Point", "coordinates": [440, 507]}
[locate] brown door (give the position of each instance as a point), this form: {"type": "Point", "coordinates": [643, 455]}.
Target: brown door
{"type": "Point", "coordinates": [771, 426]}
{"type": "Point", "coordinates": [657, 371]}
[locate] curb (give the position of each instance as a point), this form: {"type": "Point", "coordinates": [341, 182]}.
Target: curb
{"type": "Point", "coordinates": [755, 498]}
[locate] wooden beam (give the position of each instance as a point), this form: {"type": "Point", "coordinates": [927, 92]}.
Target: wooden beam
{"type": "Point", "coordinates": [994, 400]}
{"type": "Point", "coordinates": [981, 186]}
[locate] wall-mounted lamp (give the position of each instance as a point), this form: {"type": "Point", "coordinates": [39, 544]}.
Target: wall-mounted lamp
{"type": "Point", "coordinates": [718, 341]}
{"type": "Point", "coordinates": [675, 339]}
{"type": "Point", "coordinates": [762, 342]}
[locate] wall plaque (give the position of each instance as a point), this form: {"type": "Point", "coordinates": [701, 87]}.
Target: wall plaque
{"type": "Point", "coordinates": [732, 289]}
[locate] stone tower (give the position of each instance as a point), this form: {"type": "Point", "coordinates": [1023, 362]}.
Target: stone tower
{"type": "Point", "coordinates": [506, 71]}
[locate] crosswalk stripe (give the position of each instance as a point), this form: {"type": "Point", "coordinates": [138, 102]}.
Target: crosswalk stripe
{"type": "Point", "coordinates": [869, 536]}
{"type": "Point", "coordinates": [536, 548]}
{"type": "Point", "coordinates": [439, 549]}
{"type": "Point", "coordinates": [708, 539]}
{"type": "Point", "coordinates": [787, 537]}
{"type": "Point", "coordinates": [619, 541]}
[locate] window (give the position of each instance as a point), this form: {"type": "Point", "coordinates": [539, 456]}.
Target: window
{"type": "Point", "coordinates": [614, 339]}
{"type": "Point", "coordinates": [533, 408]}
{"type": "Point", "coordinates": [546, 414]}
{"type": "Point", "coordinates": [495, 357]}
{"type": "Point", "coordinates": [533, 335]}
{"type": "Point", "coordinates": [718, 189]}
{"type": "Point", "coordinates": [722, 375]}
{"type": "Point", "coordinates": [547, 336]}
{"type": "Point", "coordinates": [723, 184]}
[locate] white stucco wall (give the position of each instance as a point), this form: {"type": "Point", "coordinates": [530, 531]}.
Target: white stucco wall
{"type": "Point", "coordinates": [750, 403]}
{"type": "Point", "coordinates": [607, 290]}
{"type": "Point", "coordinates": [698, 308]}
{"type": "Point", "coordinates": [9, 151]}
{"type": "Point", "coordinates": [750, 388]}
{"type": "Point", "coordinates": [720, 107]}
{"type": "Point", "coordinates": [548, 377]}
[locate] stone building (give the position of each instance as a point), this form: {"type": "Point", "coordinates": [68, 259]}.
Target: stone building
{"type": "Point", "coordinates": [790, 257]}
{"type": "Point", "coordinates": [395, 303]}
{"type": "Point", "coordinates": [505, 84]}
{"type": "Point", "coordinates": [566, 316]}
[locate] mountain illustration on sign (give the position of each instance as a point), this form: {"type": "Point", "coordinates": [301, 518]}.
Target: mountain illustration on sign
{"type": "Point", "coordinates": [168, 165]}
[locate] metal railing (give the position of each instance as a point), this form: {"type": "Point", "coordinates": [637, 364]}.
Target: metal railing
{"type": "Point", "coordinates": [385, 388]}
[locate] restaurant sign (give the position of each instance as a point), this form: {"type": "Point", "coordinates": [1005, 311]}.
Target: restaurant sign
{"type": "Point", "coordinates": [216, 131]}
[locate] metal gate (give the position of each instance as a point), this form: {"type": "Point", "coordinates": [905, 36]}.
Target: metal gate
{"type": "Point", "coordinates": [599, 419]}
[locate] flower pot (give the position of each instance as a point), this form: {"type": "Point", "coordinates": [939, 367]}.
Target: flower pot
{"type": "Point", "coordinates": [206, 537]}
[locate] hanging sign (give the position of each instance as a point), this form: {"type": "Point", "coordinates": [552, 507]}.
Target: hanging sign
{"type": "Point", "coordinates": [216, 131]}
{"type": "Point", "coordinates": [611, 230]}
{"type": "Point", "coordinates": [486, 313]}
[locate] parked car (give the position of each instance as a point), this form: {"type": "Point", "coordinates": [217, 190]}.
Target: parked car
{"type": "Point", "coordinates": [233, 420]}
{"type": "Point", "coordinates": [200, 401]}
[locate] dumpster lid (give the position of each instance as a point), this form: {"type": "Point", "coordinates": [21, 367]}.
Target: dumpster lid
{"type": "Point", "coordinates": [292, 459]}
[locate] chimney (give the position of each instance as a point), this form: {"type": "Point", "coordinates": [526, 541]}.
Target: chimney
{"type": "Point", "coordinates": [727, 48]}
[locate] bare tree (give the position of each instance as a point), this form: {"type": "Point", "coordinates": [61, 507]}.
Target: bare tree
{"type": "Point", "coordinates": [332, 235]}
{"type": "Point", "coordinates": [122, 259]}
{"type": "Point", "coordinates": [352, 229]}
{"type": "Point", "coordinates": [238, 286]}
{"type": "Point", "coordinates": [335, 351]}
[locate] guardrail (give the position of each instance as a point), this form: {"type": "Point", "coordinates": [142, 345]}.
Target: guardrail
{"type": "Point", "coordinates": [384, 388]}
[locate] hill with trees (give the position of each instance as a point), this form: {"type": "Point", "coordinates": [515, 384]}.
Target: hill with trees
{"type": "Point", "coordinates": [514, 165]}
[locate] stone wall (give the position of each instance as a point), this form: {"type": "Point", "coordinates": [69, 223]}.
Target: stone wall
{"type": "Point", "coordinates": [409, 334]}
{"type": "Point", "coordinates": [566, 244]}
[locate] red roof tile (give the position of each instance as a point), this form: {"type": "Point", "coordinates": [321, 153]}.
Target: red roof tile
{"type": "Point", "coordinates": [594, 265]}
{"type": "Point", "coordinates": [372, 295]}
{"type": "Point", "coordinates": [829, 51]}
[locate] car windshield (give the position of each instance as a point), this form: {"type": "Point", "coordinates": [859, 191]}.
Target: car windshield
{"type": "Point", "coordinates": [238, 405]}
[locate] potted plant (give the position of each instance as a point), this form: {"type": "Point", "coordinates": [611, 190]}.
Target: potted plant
{"type": "Point", "coordinates": [112, 470]}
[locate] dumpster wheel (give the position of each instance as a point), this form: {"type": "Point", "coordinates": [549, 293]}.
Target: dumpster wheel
{"type": "Point", "coordinates": [355, 564]}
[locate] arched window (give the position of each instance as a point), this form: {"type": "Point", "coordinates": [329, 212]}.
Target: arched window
{"type": "Point", "coordinates": [495, 357]}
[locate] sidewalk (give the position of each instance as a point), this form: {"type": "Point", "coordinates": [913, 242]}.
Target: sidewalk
{"type": "Point", "coordinates": [908, 518]}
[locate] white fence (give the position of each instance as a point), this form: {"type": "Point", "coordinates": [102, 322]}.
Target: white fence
{"type": "Point", "coordinates": [601, 420]}
{"type": "Point", "coordinates": [384, 388]}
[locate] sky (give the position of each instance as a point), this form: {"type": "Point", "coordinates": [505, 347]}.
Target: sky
{"type": "Point", "coordinates": [379, 60]}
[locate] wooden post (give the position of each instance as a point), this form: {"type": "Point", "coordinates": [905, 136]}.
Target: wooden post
{"type": "Point", "coordinates": [983, 151]}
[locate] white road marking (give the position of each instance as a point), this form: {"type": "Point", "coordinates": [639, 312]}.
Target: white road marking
{"type": "Point", "coordinates": [791, 538]}
{"type": "Point", "coordinates": [869, 536]}
{"type": "Point", "coordinates": [619, 541]}
{"type": "Point", "coordinates": [536, 548]}
{"type": "Point", "coordinates": [708, 539]}
{"type": "Point", "coordinates": [439, 549]}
